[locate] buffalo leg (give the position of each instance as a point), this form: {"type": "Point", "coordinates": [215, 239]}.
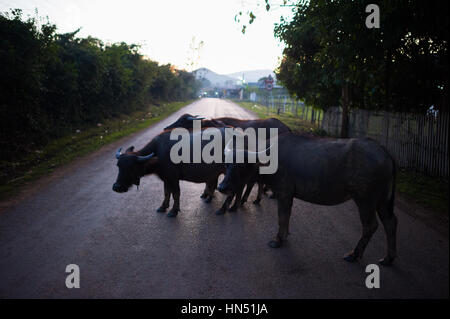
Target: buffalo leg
{"type": "Point", "coordinates": [165, 203]}
{"type": "Point", "coordinates": [260, 192]}
{"type": "Point", "coordinates": [205, 192]}
{"type": "Point", "coordinates": [225, 205]}
{"type": "Point", "coordinates": [389, 221]}
{"type": "Point", "coordinates": [176, 200]}
{"type": "Point", "coordinates": [209, 190]}
{"type": "Point", "coordinates": [284, 213]}
{"type": "Point", "coordinates": [237, 200]}
{"type": "Point", "coordinates": [210, 187]}
{"type": "Point", "coordinates": [248, 190]}
{"type": "Point", "coordinates": [369, 226]}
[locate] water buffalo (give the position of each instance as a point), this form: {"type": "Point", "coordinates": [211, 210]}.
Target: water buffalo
{"type": "Point", "coordinates": [186, 121]}
{"type": "Point", "coordinates": [155, 158]}
{"type": "Point", "coordinates": [329, 172]}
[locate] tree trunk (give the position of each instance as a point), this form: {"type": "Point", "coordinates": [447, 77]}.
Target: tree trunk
{"type": "Point", "coordinates": [344, 124]}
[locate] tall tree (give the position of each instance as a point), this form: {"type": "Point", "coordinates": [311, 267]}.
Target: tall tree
{"type": "Point", "coordinates": [52, 82]}
{"type": "Point", "coordinates": [332, 58]}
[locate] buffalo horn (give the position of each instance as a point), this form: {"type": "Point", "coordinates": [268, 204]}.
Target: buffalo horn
{"type": "Point", "coordinates": [228, 149]}
{"type": "Point", "coordinates": [193, 118]}
{"type": "Point", "coordinates": [145, 158]}
{"type": "Point", "coordinates": [118, 153]}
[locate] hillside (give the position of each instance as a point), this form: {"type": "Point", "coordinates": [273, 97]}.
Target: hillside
{"type": "Point", "coordinates": [214, 78]}
{"type": "Point", "coordinates": [252, 75]}
{"type": "Point", "coordinates": [232, 79]}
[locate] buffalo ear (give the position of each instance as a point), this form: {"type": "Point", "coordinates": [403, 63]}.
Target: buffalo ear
{"type": "Point", "coordinates": [152, 161]}
{"type": "Point", "coordinates": [130, 149]}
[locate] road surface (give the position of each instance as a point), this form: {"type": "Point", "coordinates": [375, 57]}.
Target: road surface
{"type": "Point", "coordinates": [125, 249]}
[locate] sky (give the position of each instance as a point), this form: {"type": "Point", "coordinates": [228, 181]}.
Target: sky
{"type": "Point", "coordinates": [167, 28]}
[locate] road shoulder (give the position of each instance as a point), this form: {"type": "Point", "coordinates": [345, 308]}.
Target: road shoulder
{"type": "Point", "coordinates": [32, 187]}
{"type": "Point", "coordinates": [438, 221]}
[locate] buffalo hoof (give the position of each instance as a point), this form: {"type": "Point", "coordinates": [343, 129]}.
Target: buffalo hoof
{"type": "Point", "coordinates": [204, 195]}
{"type": "Point", "coordinates": [243, 201]}
{"type": "Point", "coordinates": [161, 210]}
{"type": "Point", "coordinates": [233, 208]}
{"type": "Point", "coordinates": [172, 213]}
{"type": "Point", "coordinates": [275, 244]}
{"type": "Point", "coordinates": [256, 201]}
{"type": "Point", "coordinates": [208, 199]}
{"type": "Point", "coordinates": [386, 261]}
{"type": "Point", "coordinates": [350, 257]}
{"type": "Point", "coordinates": [220, 211]}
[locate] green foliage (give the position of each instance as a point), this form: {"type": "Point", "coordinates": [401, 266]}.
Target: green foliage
{"type": "Point", "coordinates": [401, 66]}
{"type": "Point", "coordinates": [53, 83]}
{"type": "Point", "coordinates": [427, 191]}
{"type": "Point", "coordinates": [293, 122]}
{"type": "Point", "coordinates": [62, 150]}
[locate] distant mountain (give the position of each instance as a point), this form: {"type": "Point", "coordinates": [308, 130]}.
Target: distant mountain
{"type": "Point", "coordinates": [252, 75]}
{"type": "Point", "coordinates": [230, 80]}
{"type": "Point", "coordinates": [214, 78]}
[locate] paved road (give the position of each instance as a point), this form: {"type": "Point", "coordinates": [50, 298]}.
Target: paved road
{"type": "Point", "coordinates": [125, 249]}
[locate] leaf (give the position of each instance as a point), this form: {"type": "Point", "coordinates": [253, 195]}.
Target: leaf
{"type": "Point", "coordinates": [252, 18]}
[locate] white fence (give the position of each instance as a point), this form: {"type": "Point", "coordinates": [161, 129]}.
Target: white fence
{"type": "Point", "coordinates": [418, 142]}
{"type": "Point", "coordinates": [282, 103]}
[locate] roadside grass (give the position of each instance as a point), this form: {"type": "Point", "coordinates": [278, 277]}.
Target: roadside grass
{"type": "Point", "coordinates": [428, 192]}
{"type": "Point", "coordinates": [63, 150]}
{"type": "Point", "coordinates": [295, 123]}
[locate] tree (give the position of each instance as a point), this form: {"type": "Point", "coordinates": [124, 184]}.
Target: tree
{"type": "Point", "coordinates": [373, 61]}
{"type": "Point", "coordinates": [332, 58]}
{"type": "Point", "coordinates": [52, 82]}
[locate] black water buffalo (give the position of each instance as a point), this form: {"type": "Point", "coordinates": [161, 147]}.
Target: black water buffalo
{"type": "Point", "coordinates": [155, 158]}
{"type": "Point", "coordinates": [186, 121]}
{"type": "Point", "coordinates": [330, 172]}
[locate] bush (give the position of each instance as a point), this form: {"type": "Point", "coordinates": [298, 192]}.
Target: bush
{"type": "Point", "coordinates": [53, 83]}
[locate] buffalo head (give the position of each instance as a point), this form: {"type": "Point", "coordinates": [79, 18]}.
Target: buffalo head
{"type": "Point", "coordinates": [239, 174]}
{"type": "Point", "coordinates": [131, 168]}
